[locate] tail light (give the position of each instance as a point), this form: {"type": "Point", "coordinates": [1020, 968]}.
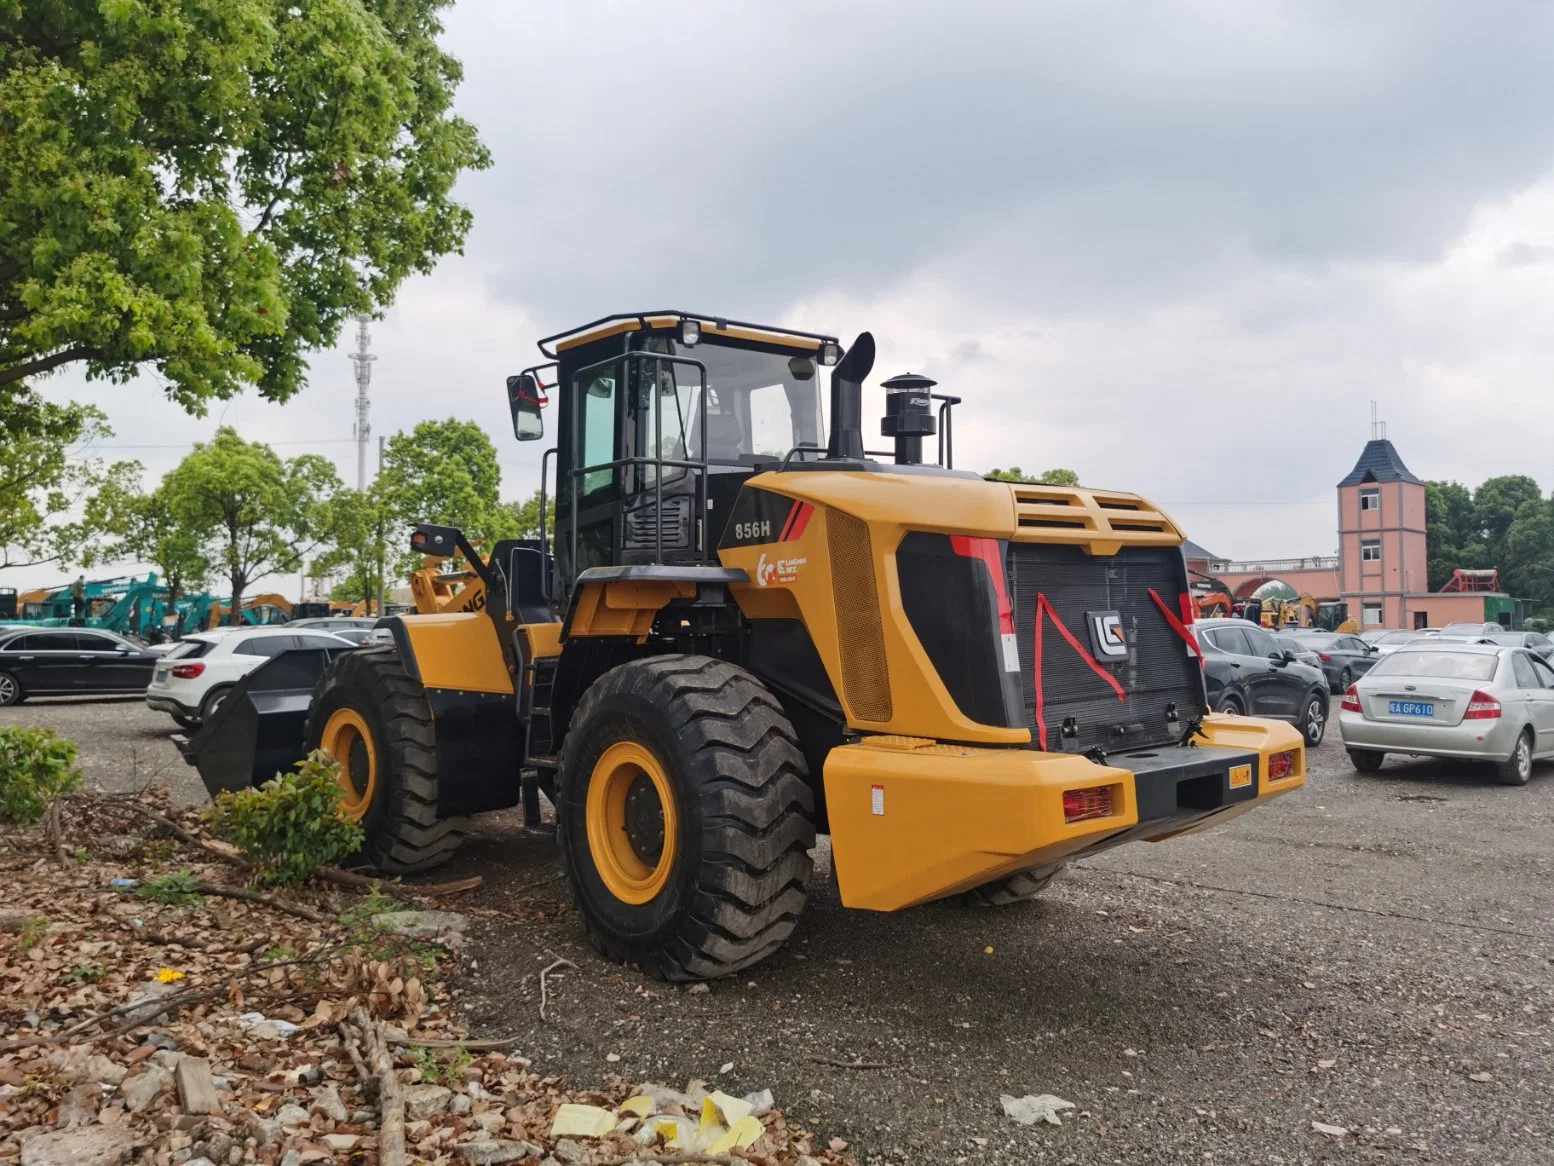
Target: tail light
{"type": "Point", "coordinates": [1351, 701]}
{"type": "Point", "coordinates": [1080, 805]}
{"type": "Point", "coordinates": [1324, 657]}
{"type": "Point", "coordinates": [1482, 707]}
{"type": "Point", "coordinates": [1281, 765]}
{"type": "Point", "coordinates": [188, 671]}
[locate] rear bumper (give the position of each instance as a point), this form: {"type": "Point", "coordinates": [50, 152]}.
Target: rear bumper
{"type": "Point", "coordinates": [1479, 740]}
{"type": "Point", "coordinates": [162, 703]}
{"type": "Point", "coordinates": [914, 820]}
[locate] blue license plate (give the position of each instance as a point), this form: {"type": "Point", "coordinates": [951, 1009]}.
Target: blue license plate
{"type": "Point", "coordinates": [1410, 708]}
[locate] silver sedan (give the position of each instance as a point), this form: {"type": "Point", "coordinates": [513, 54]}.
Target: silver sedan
{"type": "Point", "coordinates": [1481, 702]}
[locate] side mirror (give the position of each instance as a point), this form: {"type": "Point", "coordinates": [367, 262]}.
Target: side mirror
{"type": "Point", "coordinates": [525, 399]}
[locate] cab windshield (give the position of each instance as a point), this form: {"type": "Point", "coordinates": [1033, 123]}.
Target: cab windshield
{"type": "Point", "coordinates": [760, 403]}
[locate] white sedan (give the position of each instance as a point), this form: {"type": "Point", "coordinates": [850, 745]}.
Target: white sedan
{"type": "Point", "coordinates": [1478, 702]}
{"type": "Point", "coordinates": [192, 680]}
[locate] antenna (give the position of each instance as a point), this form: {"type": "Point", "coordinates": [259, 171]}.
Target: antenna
{"type": "Point", "coordinates": [363, 359]}
{"type": "Point", "coordinates": [1378, 428]}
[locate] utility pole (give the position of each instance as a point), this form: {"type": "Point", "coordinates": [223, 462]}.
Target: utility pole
{"type": "Point", "coordinates": [362, 359]}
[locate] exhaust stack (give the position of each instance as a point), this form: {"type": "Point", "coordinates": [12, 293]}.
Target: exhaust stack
{"type": "Point", "coordinates": [847, 399]}
{"type": "Point", "coordinates": [908, 415]}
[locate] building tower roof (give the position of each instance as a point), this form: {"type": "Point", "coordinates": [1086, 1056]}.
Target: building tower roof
{"type": "Point", "coordinates": [1379, 462]}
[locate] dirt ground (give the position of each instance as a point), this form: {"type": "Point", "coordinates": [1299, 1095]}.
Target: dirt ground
{"type": "Point", "coordinates": [1374, 953]}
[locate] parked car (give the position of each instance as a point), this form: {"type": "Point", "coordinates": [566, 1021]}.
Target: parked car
{"type": "Point", "coordinates": [334, 623]}
{"type": "Point", "coordinates": [1343, 658]}
{"type": "Point", "coordinates": [1482, 702]}
{"type": "Point", "coordinates": [1387, 642]}
{"type": "Point", "coordinates": [193, 679]}
{"type": "Point", "coordinates": [1248, 671]}
{"type": "Point", "coordinates": [70, 662]}
{"type": "Point", "coordinates": [1535, 642]}
{"type": "Point", "coordinates": [1302, 653]}
{"type": "Point", "coordinates": [1472, 629]}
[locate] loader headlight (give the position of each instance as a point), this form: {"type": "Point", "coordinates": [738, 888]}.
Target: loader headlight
{"type": "Point", "coordinates": [830, 354]}
{"type": "Point", "coordinates": [690, 332]}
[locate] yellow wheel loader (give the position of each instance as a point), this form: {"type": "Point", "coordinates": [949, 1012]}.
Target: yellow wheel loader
{"type": "Point", "coordinates": [746, 629]}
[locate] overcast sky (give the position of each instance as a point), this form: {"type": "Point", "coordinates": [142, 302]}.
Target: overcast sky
{"type": "Point", "coordinates": [1177, 248]}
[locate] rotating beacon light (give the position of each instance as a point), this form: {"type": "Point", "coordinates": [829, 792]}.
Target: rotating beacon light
{"type": "Point", "coordinates": [908, 415]}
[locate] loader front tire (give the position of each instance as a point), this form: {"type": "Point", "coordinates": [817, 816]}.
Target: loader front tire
{"type": "Point", "coordinates": [372, 717]}
{"type": "Point", "coordinates": [1020, 887]}
{"type": "Point", "coordinates": [685, 817]}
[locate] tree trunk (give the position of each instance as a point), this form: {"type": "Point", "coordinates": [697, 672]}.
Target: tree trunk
{"type": "Point", "coordinates": [235, 616]}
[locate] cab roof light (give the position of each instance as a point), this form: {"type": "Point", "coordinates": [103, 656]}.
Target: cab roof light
{"type": "Point", "coordinates": [690, 332]}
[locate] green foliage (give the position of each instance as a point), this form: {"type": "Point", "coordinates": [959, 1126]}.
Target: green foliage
{"type": "Point", "coordinates": [253, 511]}
{"type": "Point", "coordinates": [522, 519]}
{"type": "Point", "coordinates": [1506, 524]}
{"type": "Point", "coordinates": [1053, 477]}
{"type": "Point", "coordinates": [35, 768]}
{"type": "Point", "coordinates": [292, 824]}
{"type": "Point", "coordinates": [177, 888]}
{"type": "Point", "coordinates": [444, 472]}
{"type": "Point", "coordinates": [85, 974]}
{"type": "Point", "coordinates": [143, 528]}
{"type": "Point", "coordinates": [357, 524]}
{"type": "Point", "coordinates": [442, 1067]}
{"type": "Point", "coordinates": [213, 188]}
{"type": "Point", "coordinates": [33, 931]}
{"type": "Point", "coordinates": [46, 470]}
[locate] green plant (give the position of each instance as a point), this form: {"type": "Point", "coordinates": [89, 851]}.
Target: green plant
{"type": "Point", "coordinates": [445, 1068]}
{"type": "Point", "coordinates": [33, 930]}
{"type": "Point", "coordinates": [85, 974]}
{"type": "Point", "coordinates": [177, 888]}
{"type": "Point", "coordinates": [291, 825]}
{"type": "Point", "coordinates": [35, 768]}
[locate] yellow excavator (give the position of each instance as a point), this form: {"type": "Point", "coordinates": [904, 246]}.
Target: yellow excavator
{"type": "Point", "coordinates": [745, 629]}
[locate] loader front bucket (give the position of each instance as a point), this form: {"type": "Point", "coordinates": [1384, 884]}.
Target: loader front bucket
{"type": "Point", "coordinates": [259, 729]}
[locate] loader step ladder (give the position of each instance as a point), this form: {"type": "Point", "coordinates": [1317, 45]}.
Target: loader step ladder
{"type": "Point", "coordinates": [539, 745]}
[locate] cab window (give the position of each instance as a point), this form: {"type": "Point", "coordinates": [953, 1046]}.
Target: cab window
{"type": "Point", "coordinates": [597, 428]}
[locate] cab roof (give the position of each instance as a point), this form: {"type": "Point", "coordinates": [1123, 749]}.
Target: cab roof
{"type": "Point", "coordinates": [670, 318]}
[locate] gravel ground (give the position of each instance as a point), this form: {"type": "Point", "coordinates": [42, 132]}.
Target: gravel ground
{"type": "Point", "coordinates": [1373, 952]}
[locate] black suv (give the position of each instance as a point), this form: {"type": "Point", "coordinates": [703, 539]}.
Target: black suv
{"type": "Point", "coordinates": [1248, 671]}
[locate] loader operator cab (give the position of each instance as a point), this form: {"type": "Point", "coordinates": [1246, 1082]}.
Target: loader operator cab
{"type": "Point", "coordinates": [660, 420]}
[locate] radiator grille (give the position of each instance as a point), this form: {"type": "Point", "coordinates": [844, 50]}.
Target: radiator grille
{"type": "Point", "coordinates": [860, 631]}
{"type": "Point", "coordinates": [1158, 673]}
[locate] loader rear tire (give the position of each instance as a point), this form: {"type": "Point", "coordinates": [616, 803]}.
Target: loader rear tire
{"type": "Point", "coordinates": [1020, 887]}
{"type": "Point", "coordinates": [368, 708]}
{"type": "Point", "coordinates": [685, 817]}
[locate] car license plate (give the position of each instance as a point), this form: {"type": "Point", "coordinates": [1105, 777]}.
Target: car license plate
{"type": "Point", "coordinates": [1410, 708]}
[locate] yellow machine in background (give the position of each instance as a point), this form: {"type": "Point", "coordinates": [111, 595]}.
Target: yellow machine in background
{"type": "Point", "coordinates": [739, 634]}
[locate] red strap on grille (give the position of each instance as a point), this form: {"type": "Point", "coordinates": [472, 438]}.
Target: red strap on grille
{"type": "Point", "coordinates": [1042, 606]}
{"type": "Point", "coordinates": [1177, 625]}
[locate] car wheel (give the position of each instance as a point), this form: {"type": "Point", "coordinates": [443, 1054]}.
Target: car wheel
{"type": "Point", "coordinates": [212, 702]}
{"type": "Point", "coordinates": [1345, 679]}
{"type": "Point", "coordinates": [1366, 760]}
{"type": "Point", "coordinates": [10, 690]}
{"type": "Point", "coordinates": [1229, 703]}
{"type": "Point", "coordinates": [1313, 722]}
{"type": "Point", "coordinates": [1517, 768]}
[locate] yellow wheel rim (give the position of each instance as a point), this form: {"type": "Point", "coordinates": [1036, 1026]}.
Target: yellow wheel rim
{"type": "Point", "coordinates": [348, 740]}
{"type": "Point", "coordinates": [633, 833]}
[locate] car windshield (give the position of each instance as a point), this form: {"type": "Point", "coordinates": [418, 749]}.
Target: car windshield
{"type": "Point", "coordinates": [1392, 637]}
{"type": "Point", "coordinates": [1436, 662]}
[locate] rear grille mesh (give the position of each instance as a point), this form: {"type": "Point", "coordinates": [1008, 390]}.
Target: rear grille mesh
{"type": "Point", "coordinates": [860, 632]}
{"type": "Point", "coordinates": [1158, 673]}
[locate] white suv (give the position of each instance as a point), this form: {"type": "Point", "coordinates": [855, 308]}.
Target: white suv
{"type": "Point", "coordinates": [192, 680]}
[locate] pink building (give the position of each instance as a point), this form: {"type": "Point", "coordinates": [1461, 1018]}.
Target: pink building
{"type": "Point", "coordinates": [1382, 548]}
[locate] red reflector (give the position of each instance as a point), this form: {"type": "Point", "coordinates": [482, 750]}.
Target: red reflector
{"type": "Point", "coordinates": [1281, 765]}
{"type": "Point", "coordinates": [1482, 707]}
{"type": "Point", "coordinates": [1079, 805]}
{"type": "Point", "coordinates": [1351, 701]}
{"type": "Point", "coordinates": [188, 671]}
{"type": "Point", "coordinates": [987, 550]}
